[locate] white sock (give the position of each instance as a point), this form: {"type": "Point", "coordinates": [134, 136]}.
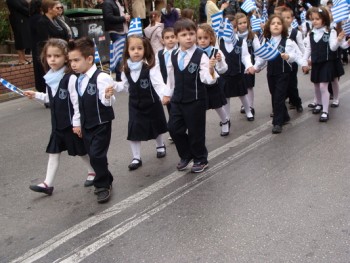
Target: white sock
{"type": "Point", "coordinates": [91, 172]}
{"type": "Point", "coordinates": [136, 150]}
{"type": "Point", "coordinates": [159, 143]}
{"type": "Point", "coordinates": [250, 97]}
{"type": "Point", "coordinates": [335, 88]}
{"type": "Point", "coordinates": [227, 108]}
{"type": "Point", "coordinates": [222, 114]}
{"type": "Point", "coordinates": [324, 96]}
{"type": "Point", "coordinates": [246, 106]}
{"type": "Point", "coordinates": [52, 167]}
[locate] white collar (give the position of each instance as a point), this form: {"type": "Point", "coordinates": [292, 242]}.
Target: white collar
{"type": "Point", "coordinates": [91, 71]}
{"type": "Point", "coordinates": [319, 30]}
{"type": "Point", "coordinates": [189, 51]}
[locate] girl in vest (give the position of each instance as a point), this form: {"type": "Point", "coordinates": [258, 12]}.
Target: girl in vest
{"type": "Point", "coordinates": [234, 84]}
{"type": "Point", "coordinates": [65, 116]}
{"type": "Point", "coordinates": [279, 68]}
{"type": "Point", "coordinates": [245, 33]}
{"type": "Point", "coordinates": [215, 96]}
{"type": "Point", "coordinates": [154, 31]}
{"type": "Point", "coordinates": [322, 44]}
{"type": "Point", "coordinates": [144, 82]}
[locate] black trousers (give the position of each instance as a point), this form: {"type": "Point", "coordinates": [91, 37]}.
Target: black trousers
{"type": "Point", "coordinates": [97, 141]}
{"type": "Point", "coordinates": [278, 86]}
{"type": "Point", "coordinates": [293, 92]}
{"type": "Point", "coordinates": [187, 129]}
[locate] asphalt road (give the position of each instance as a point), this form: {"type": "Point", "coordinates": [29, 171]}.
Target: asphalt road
{"type": "Point", "coordinates": [264, 198]}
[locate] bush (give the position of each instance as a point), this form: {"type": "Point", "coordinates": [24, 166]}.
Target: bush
{"type": "Point", "coordinates": [5, 30]}
{"type": "Point", "coordinates": [192, 4]}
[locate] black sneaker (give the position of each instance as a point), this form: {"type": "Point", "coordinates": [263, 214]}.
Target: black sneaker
{"type": "Point", "coordinates": [300, 109]}
{"type": "Point", "coordinates": [199, 167]}
{"type": "Point", "coordinates": [276, 129]}
{"type": "Point", "coordinates": [182, 165]}
{"type": "Point", "coordinates": [103, 194]}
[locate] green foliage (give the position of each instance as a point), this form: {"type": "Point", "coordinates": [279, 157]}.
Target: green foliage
{"type": "Point", "coordinates": [192, 4]}
{"type": "Point", "coordinates": [5, 30]}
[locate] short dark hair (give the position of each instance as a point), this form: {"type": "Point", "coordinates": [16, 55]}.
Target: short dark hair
{"type": "Point", "coordinates": [166, 30]}
{"type": "Point", "coordinates": [184, 24]}
{"type": "Point", "coordinates": [85, 45]}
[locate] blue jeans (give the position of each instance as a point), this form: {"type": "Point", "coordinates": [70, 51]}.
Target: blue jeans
{"type": "Point", "coordinates": [115, 37]}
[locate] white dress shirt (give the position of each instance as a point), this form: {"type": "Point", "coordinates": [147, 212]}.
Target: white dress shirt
{"type": "Point", "coordinates": [73, 95]}
{"type": "Point", "coordinates": [204, 73]}
{"type": "Point", "coordinates": [103, 81]}
{"type": "Point", "coordinates": [299, 39]}
{"type": "Point", "coordinates": [246, 58]}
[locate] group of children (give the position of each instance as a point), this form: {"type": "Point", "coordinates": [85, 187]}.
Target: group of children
{"type": "Point", "coordinates": [194, 72]}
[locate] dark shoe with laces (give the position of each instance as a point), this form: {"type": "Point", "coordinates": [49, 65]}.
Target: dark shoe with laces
{"type": "Point", "coordinates": [223, 134]}
{"type": "Point", "coordinates": [182, 165]}
{"type": "Point", "coordinates": [242, 110]}
{"type": "Point", "coordinates": [103, 194]}
{"type": "Point", "coordinates": [199, 167]}
{"type": "Point", "coordinates": [133, 166]}
{"type": "Point", "coordinates": [324, 117]}
{"type": "Point", "coordinates": [90, 180]}
{"type": "Point", "coordinates": [317, 109]}
{"type": "Point", "coordinates": [163, 153]}
{"type": "Point", "coordinates": [311, 105]}
{"type": "Point", "coordinates": [39, 189]}
{"type": "Point", "coordinates": [276, 129]}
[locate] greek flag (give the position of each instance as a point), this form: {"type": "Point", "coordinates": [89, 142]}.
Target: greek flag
{"type": "Point", "coordinates": [135, 27]}
{"type": "Point", "coordinates": [255, 23]}
{"type": "Point", "coordinates": [216, 21]}
{"type": "Point", "coordinates": [116, 52]}
{"type": "Point", "coordinates": [228, 32]}
{"type": "Point", "coordinates": [340, 11]}
{"type": "Point", "coordinates": [346, 28]}
{"type": "Point", "coordinates": [11, 87]}
{"type": "Point", "coordinates": [267, 52]}
{"type": "Point", "coordinates": [264, 16]}
{"type": "Point", "coordinates": [303, 16]}
{"type": "Point", "coordinates": [248, 6]}
{"type": "Point", "coordinates": [294, 24]}
{"type": "Point", "coordinates": [97, 55]}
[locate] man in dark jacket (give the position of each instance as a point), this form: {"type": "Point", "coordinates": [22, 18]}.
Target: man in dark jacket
{"type": "Point", "coordinates": [19, 20]}
{"type": "Point", "coordinates": [115, 18]}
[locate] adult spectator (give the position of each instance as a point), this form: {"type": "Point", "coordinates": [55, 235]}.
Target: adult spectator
{"type": "Point", "coordinates": [48, 26]}
{"type": "Point", "coordinates": [115, 20]}
{"type": "Point", "coordinates": [233, 7]}
{"type": "Point", "coordinates": [211, 8]}
{"type": "Point", "coordinates": [65, 21]}
{"type": "Point", "coordinates": [139, 10]}
{"type": "Point", "coordinates": [19, 20]}
{"type": "Point", "coordinates": [169, 15]}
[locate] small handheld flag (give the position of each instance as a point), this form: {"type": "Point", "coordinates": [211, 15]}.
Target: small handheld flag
{"type": "Point", "coordinates": [11, 87]}
{"type": "Point", "coordinates": [294, 24]}
{"type": "Point", "coordinates": [255, 23]}
{"type": "Point", "coordinates": [248, 6]}
{"type": "Point", "coordinates": [264, 16]}
{"type": "Point", "coordinates": [346, 28]}
{"type": "Point", "coordinates": [216, 21]}
{"type": "Point", "coordinates": [135, 27]}
{"type": "Point", "coordinates": [267, 52]}
{"type": "Point", "coordinates": [303, 16]}
{"type": "Point", "coordinates": [228, 31]}
{"type": "Point", "coordinates": [97, 55]}
{"type": "Point", "coordinates": [116, 52]}
{"type": "Point", "coordinates": [340, 11]}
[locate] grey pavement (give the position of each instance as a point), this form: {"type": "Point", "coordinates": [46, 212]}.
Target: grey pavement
{"type": "Point", "coordinates": [264, 198]}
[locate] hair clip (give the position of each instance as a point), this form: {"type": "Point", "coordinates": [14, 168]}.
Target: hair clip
{"type": "Point", "coordinates": [320, 10]}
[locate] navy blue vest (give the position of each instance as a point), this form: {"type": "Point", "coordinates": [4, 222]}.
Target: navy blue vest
{"type": "Point", "coordinates": [61, 106]}
{"type": "Point", "coordinates": [162, 65]}
{"type": "Point", "coordinates": [92, 111]}
{"type": "Point", "coordinates": [278, 65]}
{"type": "Point", "coordinates": [320, 51]}
{"type": "Point", "coordinates": [233, 58]}
{"type": "Point", "coordinates": [141, 93]}
{"type": "Point", "coordinates": [188, 86]}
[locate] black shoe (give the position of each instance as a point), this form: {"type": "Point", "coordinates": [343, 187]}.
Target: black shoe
{"type": "Point", "coordinates": [311, 105]}
{"type": "Point", "coordinates": [199, 167]}
{"type": "Point", "coordinates": [103, 194]}
{"type": "Point", "coordinates": [242, 110]}
{"type": "Point", "coordinates": [317, 109]}
{"type": "Point", "coordinates": [223, 134]}
{"type": "Point", "coordinates": [335, 104]}
{"type": "Point", "coordinates": [300, 109]}
{"type": "Point", "coordinates": [46, 190]}
{"type": "Point", "coordinates": [271, 115]}
{"type": "Point", "coordinates": [252, 110]}
{"type": "Point", "coordinates": [324, 117]}
{"type": "Point", "coordinates": [89, 183]}
{"type": "Point", "coordinates": [133, 166]}
{"type": "Point", "coordinates": [182, 165]}
{"type": "Point", "coordinates": [276, 129]}
{"type": "Point", "coordinates": [47, 105]}
{"type": "Point", "coordinates": [161, 154]}
{"type": "Point", "coordinates": [251, 118]}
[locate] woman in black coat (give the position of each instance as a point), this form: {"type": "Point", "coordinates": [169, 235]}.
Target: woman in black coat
{"type": "Point", "coordinates": [19, 20]}
{"type": "Point", "coordinates": [44, 27]}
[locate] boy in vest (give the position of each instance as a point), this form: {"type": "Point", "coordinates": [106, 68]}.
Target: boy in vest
{"type": "Point", "coordinates": [95, 104]}
{"type": "Point", "coordinates": [188, 71]}
{"type": "Point", "coordinates": [296, 36]}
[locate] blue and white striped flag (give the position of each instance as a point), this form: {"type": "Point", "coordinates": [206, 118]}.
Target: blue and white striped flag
{"type": "Point", "coordinates": [11, 87]}
{"type": "Point", "coordinates": [216, 21]}
{"type": "Point", "coordinates": [264, 16]}
{"type": "Point", "coordinates": [294, 23]}
{"type": "Point", "coordinates": [116, 52]}
{"type": "Point", "coordinates": [346, 28]}
{"type": "Point", "coordinates": [97, 55]}
{"type": "Point", "coordinates": [303, 16]}
{"type": "Point", "coordinates": [255, 24]}
{"type": "Point", "coordinates": [340, 11]}
{"type": "Point", "coordinates": [267, 52]}
{"type": "Point", "coordinates": [248, 6]}
{"type": "Point", "coordinates": [228, 32]}
{"type": "Point", "coordinates": [135, 27]}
